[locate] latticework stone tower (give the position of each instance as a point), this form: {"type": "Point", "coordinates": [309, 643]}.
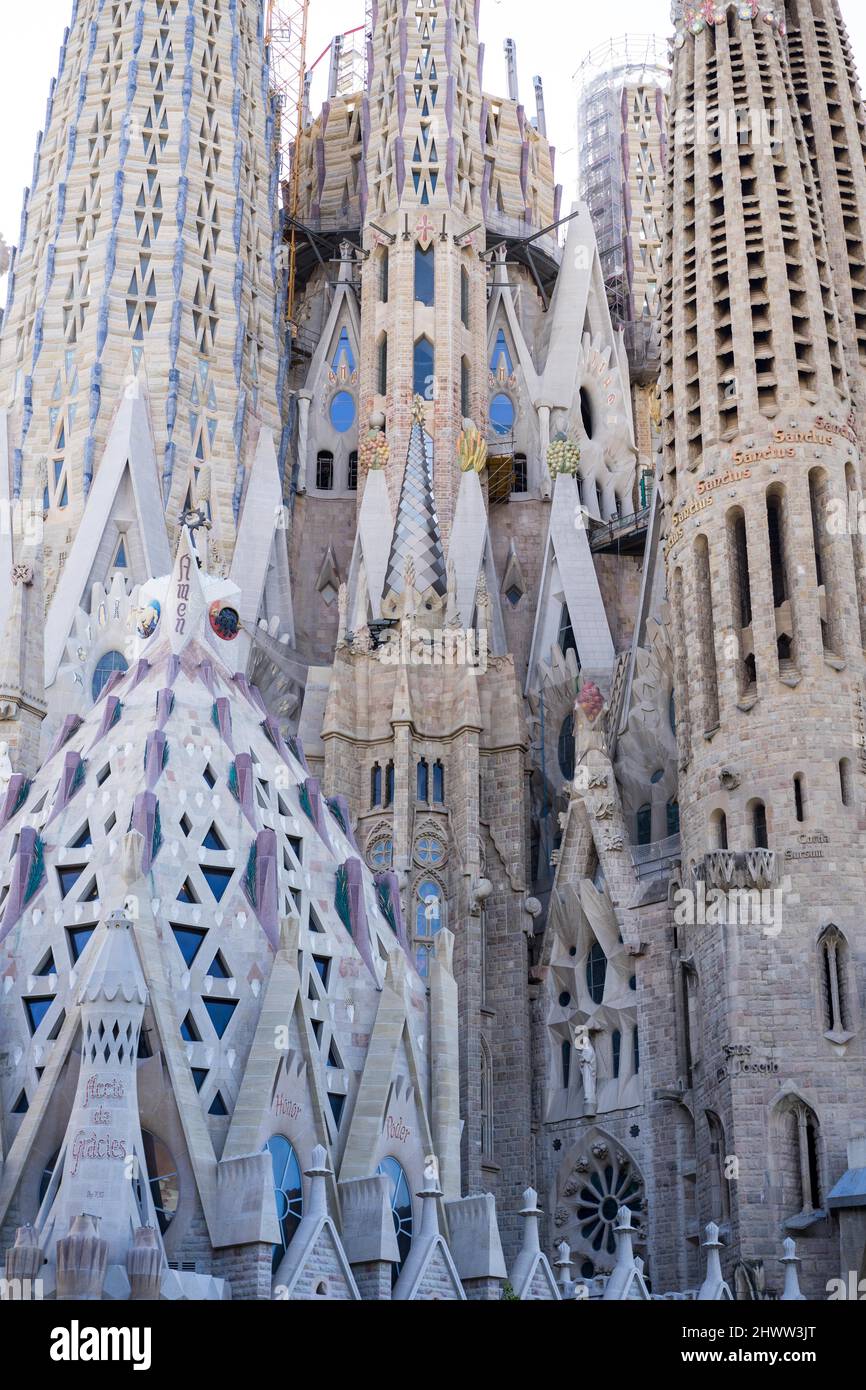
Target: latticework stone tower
{"type": "Point", "coordinates": [765, 594]}
{"type": "Point", "coordinates": [146, 264]}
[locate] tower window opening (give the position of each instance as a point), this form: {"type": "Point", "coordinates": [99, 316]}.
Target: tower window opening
{"type": "Point", "coordinates": [324, 471]}
{"type": "Point", "coordinates": [845, 781]}
{"type": "Point", "coordinates": [425, 275]}
{"type": "Point", "coordinates": [759, 825]}
{"type": "Point", "coordinates": [798, 798]}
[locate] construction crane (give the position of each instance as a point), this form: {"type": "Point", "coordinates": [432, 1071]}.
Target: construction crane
{"type": "Point", "coordinates": [287, 40]}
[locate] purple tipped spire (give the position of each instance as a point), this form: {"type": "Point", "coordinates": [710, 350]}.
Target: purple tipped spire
{"type": "Point", "coordinates": [71, 779]}
{"type": "Point", "coordinates": [16, 795]}
{"type": "Point", "coordinates": [145, 819]}
{"type": "Point", "coordinates": [241, 784]}
{"type": "Point", "coordinates": [353, 909]}
{"type": "Point", "coordinates": [28, 875]}
{"type": "Point", "coordinates": [110, 715]}
{"type": "Point", "coordinates": [172, 669]}
{"type": "Point", "coordinates": [70, 725]}
{"type": "Point", "coordinates": [222, 717]}
{"type": "Point", "coordinates": [261, 885]}
{"type": "Point", "coordinates": [313, 805]}
{"type": "Point", "coordinates": [388, 892]}
{"type": "Point", "coordinates": [164, 706]}
{"type": "Point", "coordinates": [339, 807]}
{"type": "Point", "coordinates": [155, 751]}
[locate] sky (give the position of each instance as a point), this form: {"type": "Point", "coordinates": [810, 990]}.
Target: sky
{"type": "Point", "coordinates": [552, 38]}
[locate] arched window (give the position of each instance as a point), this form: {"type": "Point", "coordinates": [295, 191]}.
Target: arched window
{"type": "Point", "coordinates": [465, 388]}
{"type": "Point", "coordinates": [833, 950]}
{"type": "Point", "coordinates": [161, 1177]}
{"type": "Point", "coordinates": [486, 1108]}
{"type": "Point", "coordinates": [596, 972]}
{"type": "Point", "coordinates": [565, 1053]}
{"type": "Point", "coordinates": [673, 817]}
{"type": "Point", "coordinates": [644, 825]}
{"type": "Point", "coordinates": [502, 414]}
{"type": "Point", "coordinates": [384, 271]}
{"type": "Point", "coordinates": [428, 921]}
{"type": "Point", "coordinates": [288, 1192]}
{"type": "Point", "coordinates": [438, 783]}
{"type": "Point", "coordinates": [401, 1210]}
{"type": "Point", "coordinates": [520, 476]}
{"type": "Point", "coordinates": [425, 275]}
{"type": "Point", "coordinates": [845, 781]}
{"type": "Point", "coordinates": [464, 296]}
{"type": "Point", "coordinates": [759, 824]}
{"type": "Point", "coordinates": [352, 472]}
{"type": "Point", "coordinates": [719, 825]}
{"type": "Point", "coordinates": [798, 1157]}
{"type": "Point", "coordinates": [798, 798]}
{"type": "Point", "coordinates": [616, 1049]}
{"type": "Point", "coordinates": [586, 413]}
{"type": "Point", "coordinates": [423, 780]}
{"type": "Point", "coordinates": [375, 785]}
{"type": "Point", "coordinates": [565, 747]}
{"type": "Point", "coordinates": [389, 784]}
{"type": "Point", "coordinates": [105, 668]}
{"type": "Point", "coordinates": [423, 369]}
{"type": "Point", "coordinates": [382, 384]}
{"type": "Point", "coordinates": [635, 1051]}
{"type": "Point", "coordinates": [720, 1196]}
{"type": "Point", "coordinates": [324, 471]}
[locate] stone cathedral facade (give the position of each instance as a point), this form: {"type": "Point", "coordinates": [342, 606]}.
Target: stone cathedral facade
{"type": "Point", "coordinates": [431, 760]}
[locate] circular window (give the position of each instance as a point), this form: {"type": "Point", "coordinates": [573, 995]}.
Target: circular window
{"type": "Point", "coordinates": [429, 850]}
{"type": "Point", "coordinates": [105, 668]}
{"type": "Point", "coordinates": [381, 854]}
{"type": "Point", "coordinates": [502, 413]}
{"type": "Point", "coordinates": [225, 621]}
{"type": "Point", "coordinates": [288, 1192]}
{"type": "Point", "coordinates": [343, 411]}
{"type": "Point", "coordinates": [564, 999]}
{"type": "Point", "coordinates": [161, 1179]}
{"type": "Point", "coordinates": [586, 413]}
{"type": "Point", "coordinates": [147, 619]}
{"type": "Point", "coordinates": [565, 751]}
{"type": "Point", "coordinates": [657, 775]}
{"type": "Point", "coordinates": [610, 1186]}
{"type": "Point", "coordinates": [401, 1210]}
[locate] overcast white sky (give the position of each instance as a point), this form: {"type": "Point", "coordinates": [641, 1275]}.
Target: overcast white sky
{"type": "Point", "coordinates": [552, 38]}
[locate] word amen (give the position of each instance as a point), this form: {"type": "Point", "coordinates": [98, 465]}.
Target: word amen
{"type": "Point", "coordinates": [102, 1090]}
{"type": "Point", "coordinates": [78, 1343]}
{"type": "Point", "coordinates": [182, 594]}
{"type": "Point", "coordinates": [97, 1146]}
{"type": "Point", "coordinates": [418, 646]}
{"type": "Point", "coordinates": [742, 907]}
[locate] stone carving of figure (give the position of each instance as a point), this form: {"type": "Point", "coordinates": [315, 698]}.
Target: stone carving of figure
{"type": "Point", "coordinates": [5, 767]}
{"type": "Point", "coordinates": [586, 1056]}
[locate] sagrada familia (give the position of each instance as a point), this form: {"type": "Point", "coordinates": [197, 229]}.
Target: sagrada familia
{"type": "Point", "coordinates": [433, 720]}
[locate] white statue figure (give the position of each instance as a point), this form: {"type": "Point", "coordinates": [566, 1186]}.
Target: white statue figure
{"type": "Point", "coordinates": [5, 767]}
{"type": "Point", "coordinates": [586, 1056]}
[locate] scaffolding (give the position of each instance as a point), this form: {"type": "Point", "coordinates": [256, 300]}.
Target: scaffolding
{"type": "Point", "coordinates": [636, 60]}
{"type": "Point", "coordinates": [287, 42]}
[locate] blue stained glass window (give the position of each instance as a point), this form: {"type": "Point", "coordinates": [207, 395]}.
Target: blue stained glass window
{"type": "Point", "coordinates": [616, 1045]}
{"type": "Point", "coordinates": [401, 1210]}
{"type": "Point", "coordinates": [288, 1191]}
{"type": "Point", "coordinates": [37, 1008]}
{"type": "Point", "coordinates": [189, 940]}
{"type": "Point", "coordinates": [78, 939]}
{"type": "Point", "coordinates": [217, 879]}
{"type": "Point", "coordinates": [422, 376]}
{"type": "Point", "coordinates": [220, 1013]}
{"type": "Point", "coordinates": [343, 411]}
{"type": "Point", "coordinates": [105, 668]}
{"type": "Point", "coordinates": [425, 278]}
{"type": "Point", "coordinates": [502, 413]}
{"type": "Point", "coordinates": [344, 353]}
{"type": "Point", "coordinates": [501, 354]}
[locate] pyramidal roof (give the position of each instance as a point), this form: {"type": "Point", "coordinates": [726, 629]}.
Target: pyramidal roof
{"type": "Point", "coordinates": [237, 838]}
{"type": "Point", "coordinates": [417, 538]}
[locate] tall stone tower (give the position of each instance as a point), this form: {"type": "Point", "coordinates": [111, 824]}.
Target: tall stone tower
{"type": "Point", "coordinates": [767, 619]}
{"type": "Point", "coordinates": [146, 269]}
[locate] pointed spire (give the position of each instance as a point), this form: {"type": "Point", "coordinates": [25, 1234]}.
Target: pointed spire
{"type": "Point", "coordinates": [790, 1259]}
{"type": "Point", "coordinates": [416, 530]}
{"type": "Point", "coordinates": [714, 1286]}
